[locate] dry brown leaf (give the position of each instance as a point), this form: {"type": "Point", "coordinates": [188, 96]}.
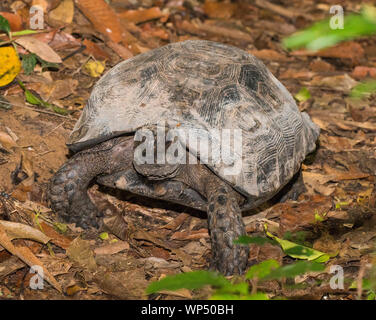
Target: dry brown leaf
{"type": "Point", "coordinates": [103, 18]}
{"type": "Point", "coordinates": [129, 285]}
{"type": "Point", "coordinates": [219, 10]}
{"type": "Point", "coordinates": [297, 216]}
{"type": "Point", "coordinates": [10, 265]}
{"type": "Point", "coordinates": [319, 65]}
{"type": "Point", "coordinates": [26, 256]}
{"type": "Point", "coordinates": [284, 12]}
{"type": "Point", "coordinates": [361, 113]}
{"type": "Point", "coordinates": [343, 124]}
{"type": "Point", "coordinates": [80, 252]}
{"type": "Point", "coordinates": [190, 235]}
{"type": "Point", "coordinates": [32, 206]}
{"type": "Point", "coordinates": [160, 253]}
{"type": "Point", "coordinates": [361, 72]}
{"type": "Point", "coordinates": [94, 50]}
{"type": "Point", "coordinates": [57, 89]}
{"type": "Point", "coordinates": [209, 28]}
{"type": "Point", "coordinates": [16, 230]}
{"type": "Point", "coordinates": [64, 12]}
{"type": "Point", "coordinates": [341, 82]}
{"type": "Point", "coordinates": [14, 20]}
{"type": "Point", "coordinates": [337, 175]}
{"type": "Point", "coordinates": [345, 50]}
{"type": "Point", "coordinates": [40, 48]}
{"type": "Point", "coordinates": [27, 164]}
{"type": "Point", "coordinates": [42, 3]}
{"type": "Point", "coordinates": [351, 124]}
{"type": "Point", "coordinates": [268, 54]}
{"type": "Point", "coordinates": [12, 134]}
{"type": "Point", "coordinates": [120, 50]}
{"type": "Point", "coordinates": [6, 141]}
{"type": "Point", "coordinates": [56, 238]}
{"type": "Point", "coordinates": [58, 40]}
{"type": "Point", "coordinates": [157, 32]}
{"type": "Point", "coordinates": [112, 248]}
{"type": "Point", "coordinates": [137, 48]}
{"type": "Point", "coordinates": [141, 15]}
{"type": "Point", "coordinates": [73, 289]}
{"type": "Point", "coordinates": [149, 237]}
{"type": "Point", "coordinates": [338, 144]}
{"type": "Point", "coordinates": [315, 182]}
{"type": "Point", "coordinates": [296, 74]}
{"type": "Point", "coordinates": [177, 222]}
{"type": "Point", "coordinates": [328, 244]}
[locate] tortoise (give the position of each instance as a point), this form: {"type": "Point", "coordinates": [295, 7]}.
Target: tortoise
{"type": "Point", "coordinates": [195, 86]}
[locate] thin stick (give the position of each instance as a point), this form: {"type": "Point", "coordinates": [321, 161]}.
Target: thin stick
{"type": "Point", "coordinates": [86, 61]}
{"type": "Point", "coordinates": [61, 124]}
{"type": "Point", "coordinates": [276, 9]}
{"type": "Point", "coordinates": [37, 110]}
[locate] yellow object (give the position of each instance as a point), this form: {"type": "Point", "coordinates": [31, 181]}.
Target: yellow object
{"type": "Point", "coordinates": [95, 68]}
{"type": "Point", "coordinates": [10, 65]}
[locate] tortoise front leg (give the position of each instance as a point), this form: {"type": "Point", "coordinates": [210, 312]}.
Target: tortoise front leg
{"type": "Point", "coordinates": [67, 192]}
{"type": "Point", "coordinates": [225, 220]}
{"type": "Point", "coordinates": [226, 225]}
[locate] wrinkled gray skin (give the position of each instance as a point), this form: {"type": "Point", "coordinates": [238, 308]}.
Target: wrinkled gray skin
{"type": "Point", "coordinates": [192, 84]}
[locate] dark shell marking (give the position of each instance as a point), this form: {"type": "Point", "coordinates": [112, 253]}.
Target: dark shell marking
{"type": "Point", "coordinates": [205, 85]}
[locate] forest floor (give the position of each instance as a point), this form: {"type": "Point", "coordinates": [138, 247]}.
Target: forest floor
{"type": "Point", "coordinates": [335, 215]}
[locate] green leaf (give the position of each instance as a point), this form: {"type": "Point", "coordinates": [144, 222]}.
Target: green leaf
{"type": "Point", "coordinates": [238, 288]}
{"type": "Point", "coordinates": [262, 269]}
{"type": "Point", "coordinates": [256, 296]}
{"type": "Point", "coordinates": [61, 227]}
{"type": "Point", "coordinates": [253, 240]}
{"type": "Point", "coordinates": [364, 89]}
{"type": "Point", "coordinates": [371, 295]}
{"type": "Point", "coordinates": [318, 217]}
{"type": "Point", "coordinates": [24, 33]}
{"type": "Point", "coordinates": [46, 64]}
{"type": "Point", "coordinates": [36, 101]}
{"type": "Point", "coordinates": [320, 35]}
{"type": "Point", "coordinates": [32, 98]}
{"type": "Point", "coordinates": [303, 95]}
{"type": "Point", "coordinates": [366, 284]}
{"type": "Point", "coordinates": [103, 236]}
{"type": "Point", "coordinates": [339, 205]}
{"type": "Point", "coordinates": [189, 280]}
{"type": "Point", "coordinates": [294, 269]}
{"type": "Point", "coordinates": [29, 61]}
{"type": "Point", "coordinates": [4, 25]}
{"type": "Point", "coordinates": [300, 252]}
{"type": "Point", "coordinates": [297, 237]}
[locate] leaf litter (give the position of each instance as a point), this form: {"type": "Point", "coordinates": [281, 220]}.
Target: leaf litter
{"type": "Point", "coordinates": [82, 39]}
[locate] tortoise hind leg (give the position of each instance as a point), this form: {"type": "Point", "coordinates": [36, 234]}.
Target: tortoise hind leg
{"type": "Point", "coordinates": [67, 192]}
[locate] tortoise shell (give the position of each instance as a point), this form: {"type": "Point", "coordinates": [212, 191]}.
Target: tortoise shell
{"type": "Point", "coordinates": [204, 85]}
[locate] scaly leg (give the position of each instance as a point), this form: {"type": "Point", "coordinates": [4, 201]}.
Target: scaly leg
{"type": "Point", "coordinates": [67, 192]}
